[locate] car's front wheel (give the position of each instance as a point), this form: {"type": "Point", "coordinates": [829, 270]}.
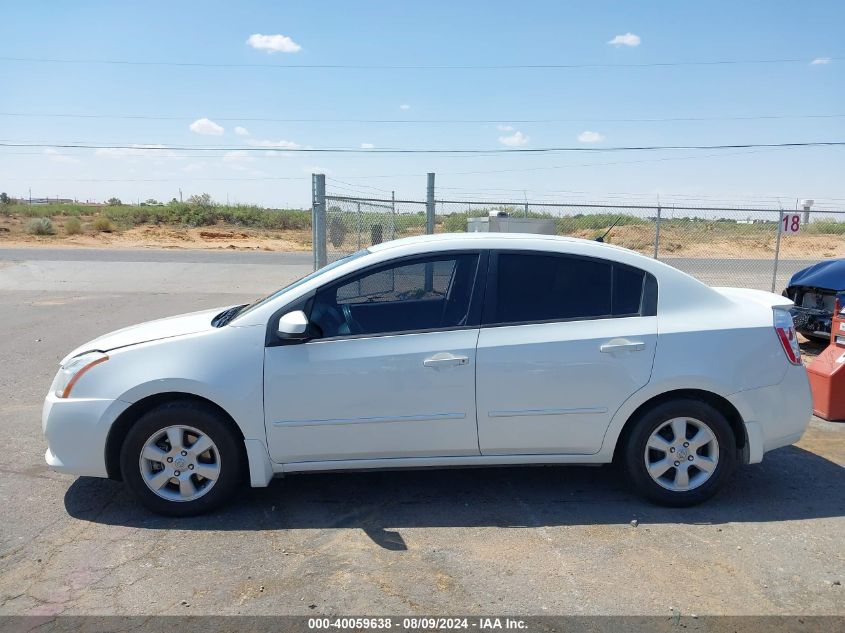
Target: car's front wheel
{"type": "Point", "coordinates": [680, 452]}
{"type": "Point", "coordinates": [181, 458]}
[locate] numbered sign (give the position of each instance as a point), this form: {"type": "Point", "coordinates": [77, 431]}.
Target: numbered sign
{"type": "Point", "coordinates": [791, 223]}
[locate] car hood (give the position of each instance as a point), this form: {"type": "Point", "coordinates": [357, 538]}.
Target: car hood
{"type": "Point", "coordinates": [178, 325]}
{"type": "Point", "coordinates": [829, 275]}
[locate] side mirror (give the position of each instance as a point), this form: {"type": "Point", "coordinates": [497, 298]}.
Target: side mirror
{"type": "Point", "coordinates": [293, 326]}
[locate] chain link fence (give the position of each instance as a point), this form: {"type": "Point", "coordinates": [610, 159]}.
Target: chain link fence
{"type": "Point", "coordinates": [732, 246]}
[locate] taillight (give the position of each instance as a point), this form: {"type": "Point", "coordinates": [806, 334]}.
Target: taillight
{"type": "Point", "coordinates": [785, 329]}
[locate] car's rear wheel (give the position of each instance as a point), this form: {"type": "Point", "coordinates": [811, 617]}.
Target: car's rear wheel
{"type": "Point", "coordinates": [680, 452]}
{"type": "Point", "coordinates": [181, 458]}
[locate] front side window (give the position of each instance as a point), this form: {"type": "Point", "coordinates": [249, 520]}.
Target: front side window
{"type": "Point", "coordinates": [412, 294]}
{"type": "Point", "coordinates": [531, 287]}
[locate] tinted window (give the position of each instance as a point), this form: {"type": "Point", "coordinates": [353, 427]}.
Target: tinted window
{"type": "Point", "coordinates": [627, 290]}
{"type": "Point", "coordinates": [535, 287]}
{"type": "Point", "coordinates": [419, 294]}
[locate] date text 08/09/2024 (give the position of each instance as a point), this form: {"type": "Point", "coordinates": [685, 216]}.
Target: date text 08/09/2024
{"type": "Point", "coordinates": [417, 623]}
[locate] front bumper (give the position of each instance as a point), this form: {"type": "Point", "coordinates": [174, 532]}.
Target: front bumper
{"type": "Point", "coordinates": [76, 430]}
{"type": "Point", "coordinates": [815, 323]}
{"type": "Point", "coordinates": [777, 415]}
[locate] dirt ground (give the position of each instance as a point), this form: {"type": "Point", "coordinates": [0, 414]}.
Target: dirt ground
{"type": "Point", "coordinates": [13, 234]}
{"type": "Point", "coordinates": [701, 242]}
{"type": "Point", "coordinates": [674, 241]}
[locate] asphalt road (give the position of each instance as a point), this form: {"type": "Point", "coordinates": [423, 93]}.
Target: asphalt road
{"type": "Point", "coordinates": [513, 540]}
{"type": "Point", "coordinates": [109, 266]}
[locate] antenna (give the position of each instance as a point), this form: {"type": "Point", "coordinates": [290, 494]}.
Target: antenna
{"type": "Point", "coordinates": [610, 228]}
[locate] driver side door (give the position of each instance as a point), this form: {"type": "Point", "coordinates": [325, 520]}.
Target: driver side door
{"type": "Point", "coordinates": [390, 369]}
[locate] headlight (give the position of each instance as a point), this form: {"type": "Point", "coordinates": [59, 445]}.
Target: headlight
{"type": "Point", "coordinates": [73, 370]}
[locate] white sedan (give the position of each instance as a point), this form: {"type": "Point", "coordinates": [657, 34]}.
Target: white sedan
{"type": "Point", "coordinates": [438, 351]}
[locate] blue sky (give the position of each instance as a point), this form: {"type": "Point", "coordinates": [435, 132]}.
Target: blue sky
{"type": "Point", "coordinates": [431, 33]}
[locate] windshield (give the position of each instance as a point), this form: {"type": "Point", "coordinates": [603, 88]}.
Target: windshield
{"type": "Point", "coordinates": [299, 282]}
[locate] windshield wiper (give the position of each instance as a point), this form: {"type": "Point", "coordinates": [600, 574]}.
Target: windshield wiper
{"type": "Point", "coordinates": [227, 315]}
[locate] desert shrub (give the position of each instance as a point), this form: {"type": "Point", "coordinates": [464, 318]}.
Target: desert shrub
{"type": "Point", "coordinates": [102, 225]}
{"type": "Point", "coordinates": [198, 216]}
{"type": "Point", "coordinates": [456, 223]}
{"type": "Point", "coordinates": [73, 226]}
{"type": "Point", "coordinates": [337, 232]}
{"type": "Point", "coordinates": [40, 226]}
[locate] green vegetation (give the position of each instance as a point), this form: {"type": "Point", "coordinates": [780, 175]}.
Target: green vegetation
{"type": "Point", "coordinates": [197, 211]}
{"type": "Point", "coordinates": [826, 227]}
{"type": "Point", "coordinates": [457, 222]}
{"type": "Point", "coordinates": [40, 226]}
{"type": "Point", "coordinates": [73, 226]}
{"type": "Point", "coordinates": [349, 227]}
{"type": "Point", "coordinates": [102, 225]}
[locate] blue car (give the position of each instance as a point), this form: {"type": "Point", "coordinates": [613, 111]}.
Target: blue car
{"type": "Point", "coordinates": [814, 291]}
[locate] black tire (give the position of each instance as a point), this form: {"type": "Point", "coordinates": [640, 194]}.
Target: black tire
{"type": "Point", "coordinates": [634, 460]}
{"type": "Point", "coordinates": [202, 418]}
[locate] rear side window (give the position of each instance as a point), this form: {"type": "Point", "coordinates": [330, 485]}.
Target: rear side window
{"type": "Point", "coordinates": [627, 290]}
{"type": "Point", "coordinates": [531, 287]}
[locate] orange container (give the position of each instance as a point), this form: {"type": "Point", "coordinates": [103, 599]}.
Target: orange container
{"type": "Point", "coordinates": [827, 373]}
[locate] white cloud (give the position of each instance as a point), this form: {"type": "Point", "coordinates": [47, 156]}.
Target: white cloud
{"type": "Point", "coordinates": [241, 131]}
{"type": "Point", "coordinates": [193, 167]}
{"type": "Point", "coordinates": [367, 146]}
{"type": "Point", "coordinates": [206, 126]}
{"type": "Point", "coordinates": [273, 43]}
{"type": "Point", "coordinates": [628, 39]}
{"type": "Point", "coordinates": [54, 156]}
{"type": "Point", "coordinates": [316, 169]}
{"type": "Point", "coordinates": [590, 137]}
{"type": "Point", "coordinates": [265, 143]}
{"type": "Point", "coordinates": [404, 106]}
{"type": "Point", "coordinates": [238, 156]}
{"type": "Point", "coordinates": [514, 140]}
{"type": "Point", "coordinates": [818, 61]}
{"type": "Point", "coordinates": [504, 128]}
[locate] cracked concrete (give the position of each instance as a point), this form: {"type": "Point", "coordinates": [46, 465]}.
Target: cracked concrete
{"type": "Point", "coordinates": [529, 541]}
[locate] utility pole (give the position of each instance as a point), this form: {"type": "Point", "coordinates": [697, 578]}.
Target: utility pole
{"type": "Point", "coordinates": [180, 194]}
{"type": "Point", "coordinates": [429, 205]}
{"type": "Point", "coordinates": [318, 220]}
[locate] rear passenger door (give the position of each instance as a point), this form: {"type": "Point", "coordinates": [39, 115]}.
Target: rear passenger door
{"type": "Point", "coordinates": [565, 340]}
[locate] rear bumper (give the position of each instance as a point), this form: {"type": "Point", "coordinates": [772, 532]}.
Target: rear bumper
{"type": "Point", "coordinates": [777, 415]}
{"type": "Point", "coordinates": [76, 430]}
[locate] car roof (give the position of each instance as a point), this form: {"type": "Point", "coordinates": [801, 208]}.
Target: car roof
{"type": "Point", "coordinates": [477, 240]}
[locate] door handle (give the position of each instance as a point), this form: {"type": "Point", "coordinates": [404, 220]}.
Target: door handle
{"type": "Point", "coordinates": [621, 345]}
{"type": "Point", "coordinates": [445, 359]}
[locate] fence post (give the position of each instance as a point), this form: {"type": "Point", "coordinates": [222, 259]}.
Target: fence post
{"type": "Point", "coordinates": [777, 251]}
{"type": "Point", "coordinates": [318, 220]}
{"type": "Point", "coordinates": [313, 221]}
{"type": "Point", "coordinates": [429, 205]}
{"type": "Point", "coordinates": [657, 233]}
{"type": "Point", "coordinates": [393, 215]}
{"type": "Point", "coordinates": [360, 225]}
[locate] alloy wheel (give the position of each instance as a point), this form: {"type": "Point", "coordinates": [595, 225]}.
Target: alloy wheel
{"type": "Point", "coordinates": [681, 454]}
{"type": "Point", "coordinates": [179, 463]}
